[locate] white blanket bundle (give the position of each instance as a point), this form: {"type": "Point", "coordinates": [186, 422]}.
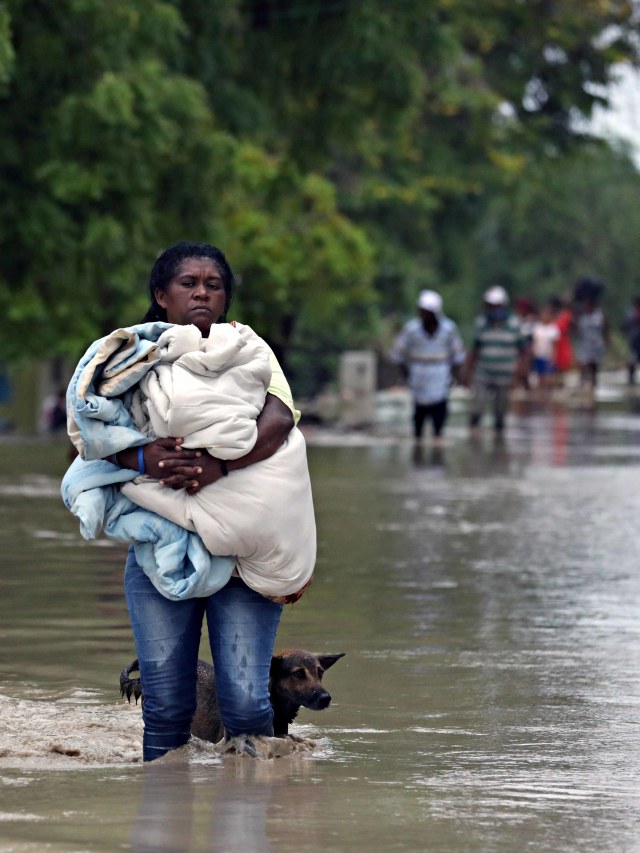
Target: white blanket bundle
{"type": "Point", "coordinates": [210, 391]}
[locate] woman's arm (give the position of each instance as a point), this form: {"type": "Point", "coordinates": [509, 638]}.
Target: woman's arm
{"type": "Point", "coordinates": [274, 423]}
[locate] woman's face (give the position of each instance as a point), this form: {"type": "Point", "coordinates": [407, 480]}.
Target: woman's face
{"type": "Point", "coordinates": [194, 295]}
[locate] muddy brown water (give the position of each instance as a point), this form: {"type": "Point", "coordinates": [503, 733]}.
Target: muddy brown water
{"type": "Point", "coordinates": [488, 599]}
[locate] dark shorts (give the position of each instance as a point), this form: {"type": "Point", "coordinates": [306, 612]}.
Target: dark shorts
{"type": "Point", "coordinates": [543, 367]}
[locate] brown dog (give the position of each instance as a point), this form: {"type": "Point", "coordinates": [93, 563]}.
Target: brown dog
{"type": "Point", "coordinates": [294, 682]}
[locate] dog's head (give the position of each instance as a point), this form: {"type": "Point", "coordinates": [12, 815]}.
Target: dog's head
{"type": "Point", "coordinates": [296, 678]}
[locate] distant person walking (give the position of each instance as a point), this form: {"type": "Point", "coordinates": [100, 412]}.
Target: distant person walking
{"type": "Point", "coordinates": [544, 336]}
{"type": "Point", "coordinates": [498, 358]}
{"type": "Point", "coordinates": [58, 414]}
{"type": "Point", "coordinates": [563, 353]}
{"type": "Point", "coordinates": [631, 328]}
{"type": "Point", "coordinates": [591, 330]}
{"type": "Point", "coordinates": [430, 351]}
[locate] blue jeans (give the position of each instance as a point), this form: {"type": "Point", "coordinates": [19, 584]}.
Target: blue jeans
{"type": "Point", "coordinates": [242, 628]}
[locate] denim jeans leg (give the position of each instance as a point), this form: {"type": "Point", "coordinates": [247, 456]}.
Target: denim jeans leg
{"type": "Point", "coordinates": [167, 637]}
{"type": "Point", "coordinates": [242, 629]}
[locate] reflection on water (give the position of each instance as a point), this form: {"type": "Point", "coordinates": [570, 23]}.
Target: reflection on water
{"type": "Point", "coordinates": [487, 596]}
{"type": "Point", "coordinates": [240, 806]}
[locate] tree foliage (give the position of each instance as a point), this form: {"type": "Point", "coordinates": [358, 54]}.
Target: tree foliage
{"type": "Point", "coordinates": [564, 220]}
{"type": "Point", "coordinates": [96, 127]}
{"type": "Point", "coordinates": [342, 153]}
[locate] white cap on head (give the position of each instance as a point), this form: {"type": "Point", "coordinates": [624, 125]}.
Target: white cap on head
{"type": "Point", "coordinates": [429, 300]}
{"type": "Point", "coordinates": [496, 296]}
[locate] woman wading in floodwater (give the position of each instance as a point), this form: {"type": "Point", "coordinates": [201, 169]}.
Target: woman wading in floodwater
{"type": "Point", "coordinates": [191, 284]}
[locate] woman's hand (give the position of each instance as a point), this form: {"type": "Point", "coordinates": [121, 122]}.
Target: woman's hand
{"type": "Point", "coordinates": [275, 422]}
{"type": "Point", "coordinates": [207, 471]}
{"type": "Point", "coordinates": [165, 460]}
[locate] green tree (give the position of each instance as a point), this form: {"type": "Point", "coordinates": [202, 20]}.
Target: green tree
{"type": "Point", "coordinates": [503, 89]}
{"type": "Point", "coordinates": [343, 153]}
{"type": "Point", "coordinates": [304, 268]}
{"type": "Point", "coordinates": [96, 128]}
{"type": "Point", "coordinates": [6, 48]}
{"type": "Point", "coordinates": [112, 153]}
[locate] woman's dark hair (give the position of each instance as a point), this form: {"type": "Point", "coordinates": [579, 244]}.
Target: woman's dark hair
{"type": "Point", "coordinates": [166, 268]}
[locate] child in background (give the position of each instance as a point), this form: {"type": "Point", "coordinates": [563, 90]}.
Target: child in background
{"type": "Point", "coordinates": [544, 336]}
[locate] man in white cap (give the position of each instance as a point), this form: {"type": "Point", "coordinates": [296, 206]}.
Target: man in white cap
{"type": "Point", "coordinates": [430, 351]}
{"type": "Point", "coordinates": [499, 354]}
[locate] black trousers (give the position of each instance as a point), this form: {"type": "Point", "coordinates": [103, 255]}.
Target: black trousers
{"type": "Point", "coordinates": [435, 412]}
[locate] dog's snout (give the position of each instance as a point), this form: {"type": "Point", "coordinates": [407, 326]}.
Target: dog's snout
{"type": "Point", "coordinates": [319, 700]}
{"type": "Point", "coordinates": [324, 701]}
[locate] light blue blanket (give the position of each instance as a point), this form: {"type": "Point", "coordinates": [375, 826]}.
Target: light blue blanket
{"type": "Point", "coordinates": [100, 424]}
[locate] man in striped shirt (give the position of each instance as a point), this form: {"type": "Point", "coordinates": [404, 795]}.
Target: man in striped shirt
{"type": "Point", "coordinates": [498, 355]}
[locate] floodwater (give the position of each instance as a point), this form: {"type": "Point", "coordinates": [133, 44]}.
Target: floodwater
{"type": "Point", "coordinates": [487, 596]}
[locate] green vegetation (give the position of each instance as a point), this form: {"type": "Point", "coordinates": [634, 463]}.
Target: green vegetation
{"type": "Point", "coordinates": [344, 154]}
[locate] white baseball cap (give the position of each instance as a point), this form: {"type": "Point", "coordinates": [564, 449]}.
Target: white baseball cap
{"type": "Point", "coordinates": [496, 296]}
{"type": "Point", "coordinates": [429, 300]}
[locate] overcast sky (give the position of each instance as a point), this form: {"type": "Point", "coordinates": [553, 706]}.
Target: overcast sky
{"type": "Point", "coordinates": [622, 120]}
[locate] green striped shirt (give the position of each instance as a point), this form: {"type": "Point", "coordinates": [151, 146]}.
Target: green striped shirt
{"type": "Point", "coordinates": [498, 346]}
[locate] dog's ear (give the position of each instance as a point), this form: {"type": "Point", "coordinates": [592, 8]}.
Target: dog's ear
{"type": "Point", "coordinates": [276, 664]}
{"type": "Point", "coordinates": [326, 661]}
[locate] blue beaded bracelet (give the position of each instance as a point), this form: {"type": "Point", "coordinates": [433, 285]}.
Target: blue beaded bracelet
{"type": "Point", "coordinates": [141, 460]}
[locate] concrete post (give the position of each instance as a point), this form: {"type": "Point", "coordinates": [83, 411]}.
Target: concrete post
{"type": "Point", "coordinates": [357, 379]}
